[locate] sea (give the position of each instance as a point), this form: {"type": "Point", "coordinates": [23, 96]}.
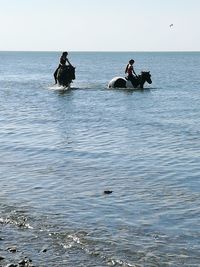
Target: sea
{"type": "Point", "coordinates": [97, 177]}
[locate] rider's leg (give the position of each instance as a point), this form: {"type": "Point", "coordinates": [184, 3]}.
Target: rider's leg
{"type": "Point", "coordinates": [132, 79]}
{"type": "Point", "coordinates": [55, 74]}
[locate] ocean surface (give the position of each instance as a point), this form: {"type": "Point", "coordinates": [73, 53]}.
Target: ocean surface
{"type": "Point", "coordinates": [60, 150]}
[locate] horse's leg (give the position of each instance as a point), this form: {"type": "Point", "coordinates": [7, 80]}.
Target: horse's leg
{"type": "Point", "coordinates": [142, 84]}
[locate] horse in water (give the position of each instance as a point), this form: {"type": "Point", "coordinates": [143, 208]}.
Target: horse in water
{"type": "Point", "coordinates": [65, 75]}
{"type": "Point", "coordinates": [139, 81]}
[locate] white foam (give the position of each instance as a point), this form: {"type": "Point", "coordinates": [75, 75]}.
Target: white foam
{"type": "Point", "coordinates": [58, 87]}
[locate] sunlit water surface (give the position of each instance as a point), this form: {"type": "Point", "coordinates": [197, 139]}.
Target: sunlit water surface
{"type": "Point", "coordinates": [60, 150]}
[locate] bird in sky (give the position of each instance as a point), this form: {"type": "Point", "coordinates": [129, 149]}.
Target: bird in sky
{"type": "Point", "coordinates": [171, 25]}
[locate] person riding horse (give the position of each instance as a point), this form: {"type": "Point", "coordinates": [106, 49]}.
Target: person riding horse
{"type": "Point", "coordinates": [121, 82]}
{"type": "Point", "coordinates": [130, 71]}
{"type": "Point", "coordinates": [63, 60]}
{"type": "Point", "coordinates": [64, 74]}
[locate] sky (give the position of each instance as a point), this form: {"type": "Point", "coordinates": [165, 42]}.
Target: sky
{"type": "Point", "coordinates": [99, 25]}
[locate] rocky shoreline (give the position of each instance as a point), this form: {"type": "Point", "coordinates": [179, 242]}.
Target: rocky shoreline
{"type": "Point", "coordinates": [10, 261]}
{"type": "Point", "coordinates": [24, 254]}
{"type": "Point", "coordinates": [22, 245]}
{"type": "Point", "coordinates": [11, 257]}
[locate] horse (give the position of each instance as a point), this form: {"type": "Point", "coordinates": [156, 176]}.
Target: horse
{"type": "Point", "coordinates": [139, 81]}
{"type": "Point", "coordinates": [65, 75]}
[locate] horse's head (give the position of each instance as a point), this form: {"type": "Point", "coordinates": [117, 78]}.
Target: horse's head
{"type": "Point", "coordinates": [146, 76]}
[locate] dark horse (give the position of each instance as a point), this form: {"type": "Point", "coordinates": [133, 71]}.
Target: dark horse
{"type": "Point", "coordinates": [65, 75]}
{"type": "Point", "coordinates": [139, 81]}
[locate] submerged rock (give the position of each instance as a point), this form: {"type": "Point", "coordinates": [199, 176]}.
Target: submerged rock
{"type": "Point", "coordinates": [12, 249]}
{"type": "Point", "coordinates": [108, 192]}
{"type": "Point", "coordinates": [25, 262]}
{"type": "Point", "coordinates": [1, 258]}
{"type": "Point", "coordinates": [22, 262]}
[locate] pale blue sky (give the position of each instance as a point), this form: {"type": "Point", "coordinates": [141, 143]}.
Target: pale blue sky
{"type": "Point", "coordinates": [100, 25]}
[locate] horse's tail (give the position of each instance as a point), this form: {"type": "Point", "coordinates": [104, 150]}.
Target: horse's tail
{"type": "Point", "coordinates": [126, 69]}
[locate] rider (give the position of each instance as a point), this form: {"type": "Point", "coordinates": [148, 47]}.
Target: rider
{"type": "Point", "coordinates": [130, 71]}
{"type": "Point", "coordinates": [63, 60]}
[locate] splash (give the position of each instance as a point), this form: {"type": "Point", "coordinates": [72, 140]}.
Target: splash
{"type": "Point", "coordinates": [58, 87]}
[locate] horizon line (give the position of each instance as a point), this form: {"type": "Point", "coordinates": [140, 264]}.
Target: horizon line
{"type": "Point", "coordinates": [106, 51]}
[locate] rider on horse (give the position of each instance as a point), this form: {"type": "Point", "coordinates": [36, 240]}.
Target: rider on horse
{"type": "Point", "coordinates": [130, 71]}
{"type": "Point", "coordinates": [63, 60]}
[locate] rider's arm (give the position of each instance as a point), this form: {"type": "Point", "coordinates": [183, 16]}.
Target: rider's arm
{"type": "Point", "coordinates": [68, 62]}
{"type": "Point", "coordinates": [134, 72]}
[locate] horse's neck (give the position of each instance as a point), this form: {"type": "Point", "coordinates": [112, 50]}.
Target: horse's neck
{"type": "Point", "coordinates": [141, 81]}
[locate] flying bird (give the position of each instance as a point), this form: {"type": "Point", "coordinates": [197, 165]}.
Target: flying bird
{"type": "Point", "coordinates": [171, 25]}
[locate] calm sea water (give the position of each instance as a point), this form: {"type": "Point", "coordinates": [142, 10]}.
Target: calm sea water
{"type": "Point", "coordinates": [61, 150]}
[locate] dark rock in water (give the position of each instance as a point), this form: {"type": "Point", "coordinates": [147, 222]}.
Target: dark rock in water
{"type": "Point", "coordinates": [108, 192]}
{"type": "Point", "coordinates": [12, 249]}
{"type": "Point", "coordinates": [44, 249]}
{"type": "Point", "coordinates": [1, 258]}
{"type": "Point", "coordinates": [25, 262]}
{"type": "Point", "coordinates": [22, 263]}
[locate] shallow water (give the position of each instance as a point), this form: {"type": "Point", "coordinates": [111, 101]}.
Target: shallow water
{"type": "Point", "coordinates": [61, 149]}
